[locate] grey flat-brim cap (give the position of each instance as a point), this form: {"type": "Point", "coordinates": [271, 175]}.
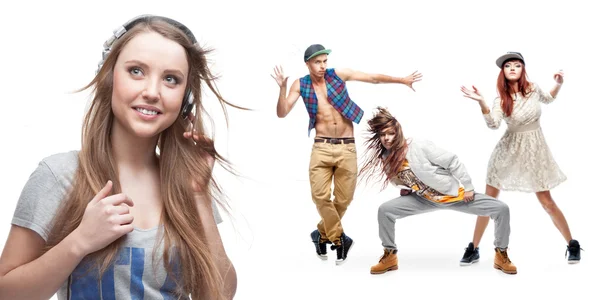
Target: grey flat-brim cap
{"type": "Point", "coordinates": [314, 50]}
{"type": "Point", "coordinates": [509, 55]}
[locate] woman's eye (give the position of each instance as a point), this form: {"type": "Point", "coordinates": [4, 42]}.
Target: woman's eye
{"type": "Point", "coordinates": [135, 71]}
{"type": "Point", "coordinates": [172, 79]}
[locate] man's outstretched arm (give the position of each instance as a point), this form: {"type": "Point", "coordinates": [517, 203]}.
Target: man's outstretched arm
{"type": "Point", "coordinates": [354, 75]}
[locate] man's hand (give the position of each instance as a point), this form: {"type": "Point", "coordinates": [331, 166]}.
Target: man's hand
{"type": "Point", "coordinates": [279, 76]}
{"type": "Point", "coordinates": [412, 78]}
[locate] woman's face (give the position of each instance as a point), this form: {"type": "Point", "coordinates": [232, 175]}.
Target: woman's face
{"type": "Point", "coordinates": [512, 70]}
{"type": "Point", "coordinates": [149, 83]}
{"type": "Point", "coordinates": [387, 136]}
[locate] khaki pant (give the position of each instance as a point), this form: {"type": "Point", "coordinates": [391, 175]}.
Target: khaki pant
{"type": "Point", "coordinates": [338, 162]}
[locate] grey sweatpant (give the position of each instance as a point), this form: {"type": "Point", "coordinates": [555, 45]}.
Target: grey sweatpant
{"type": "Point", "coordinates": [404, 206]}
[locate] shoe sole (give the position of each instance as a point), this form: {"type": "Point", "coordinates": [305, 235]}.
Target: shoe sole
{"type": "Point", "coordinates": [339, 262]}
{"type": "Point", "coordinates": [572, 262]}
{"type": "Point", "coordinates": [392, 268]}
{"type": "Point", "coordinates": [468, 264]}
{"type": "Point", "coordinates": [496, 266]}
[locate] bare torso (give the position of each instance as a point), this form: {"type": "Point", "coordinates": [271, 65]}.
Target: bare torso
{"type": "Point", "coordinates": [329, 122]}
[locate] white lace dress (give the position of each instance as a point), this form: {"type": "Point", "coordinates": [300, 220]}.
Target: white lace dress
{"type": "Point", "coordinates": [522, 161]}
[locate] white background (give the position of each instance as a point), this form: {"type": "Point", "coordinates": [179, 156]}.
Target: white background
{"type": "Point", "coordinates": [50, 49]}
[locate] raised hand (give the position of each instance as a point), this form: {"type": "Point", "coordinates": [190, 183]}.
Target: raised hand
{"type": "Point", "coordinates": [473, 94]}
{"type": "Point", "coordinates": [106, 218]}
{"type": "Point", "coordinates": [279, 77]}
{"type": "Point", "coordinates": [412, 78]}
{"type": "Point", "coordinates": [559, 76]}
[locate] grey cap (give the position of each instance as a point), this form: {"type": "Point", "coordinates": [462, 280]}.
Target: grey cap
{"type": "Point", "coordinates": [314, 50]}
{"type": "Point", "coordinates": [509, 55]}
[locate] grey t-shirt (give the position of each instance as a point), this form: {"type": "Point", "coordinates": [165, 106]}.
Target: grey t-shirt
{"type": "Point", "coordinates": [134, 274]}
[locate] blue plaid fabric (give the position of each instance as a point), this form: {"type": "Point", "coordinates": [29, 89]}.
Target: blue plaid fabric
{"type": "Point", "coordinates": [337, 95]}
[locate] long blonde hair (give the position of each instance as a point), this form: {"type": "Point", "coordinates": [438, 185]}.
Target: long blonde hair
{"type": "Point", "coordinates": [179, 160]}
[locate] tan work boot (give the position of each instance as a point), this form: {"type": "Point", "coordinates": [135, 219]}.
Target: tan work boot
{"type": "Point", "coordinates": [503, 263]}
{"type": "Point", "coordinates": [388, 262]}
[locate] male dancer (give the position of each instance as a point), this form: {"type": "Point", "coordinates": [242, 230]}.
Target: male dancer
{"type": "Point", "coordinates": [331, 113]}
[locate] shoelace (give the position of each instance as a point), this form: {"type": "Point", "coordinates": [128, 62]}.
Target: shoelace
{"type": "Point", "coordinates": [572, 249]}
{"type": "Point", "coordinates": [385, 254]}
{"type": "Point", "coordinates": [468, 252]}
{"type": "Point", "coordinates": [339, 247]}
{"type": "Point", "coordinates": [505, 256]}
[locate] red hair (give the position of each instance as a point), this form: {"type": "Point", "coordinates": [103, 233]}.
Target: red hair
{"type": "Point", "coordinates": [505, 92]}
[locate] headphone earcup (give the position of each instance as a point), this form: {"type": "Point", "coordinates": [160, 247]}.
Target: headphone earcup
{"type": "Point", "coordinates": [188, 104]}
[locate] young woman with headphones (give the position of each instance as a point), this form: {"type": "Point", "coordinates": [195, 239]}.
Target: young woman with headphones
{"type": "Point", "coordinates": [133, 212]}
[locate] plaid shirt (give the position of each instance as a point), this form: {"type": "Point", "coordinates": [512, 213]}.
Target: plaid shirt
{"type": "Point", "coordinates": [337, 95]}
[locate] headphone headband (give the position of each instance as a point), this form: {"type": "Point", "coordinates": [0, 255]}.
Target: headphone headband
{"type": "Point", "coordinates": [120, 31]}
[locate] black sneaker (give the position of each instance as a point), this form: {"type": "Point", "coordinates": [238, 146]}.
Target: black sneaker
{"type": "Point", "coordinates": [574, 251]}
{"type": "Point", "coordinates": [343, 248]}
{"type": "Point", "coordinates": [320, 247]}
{"type": "Point", "coordinates": [471, 255]}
